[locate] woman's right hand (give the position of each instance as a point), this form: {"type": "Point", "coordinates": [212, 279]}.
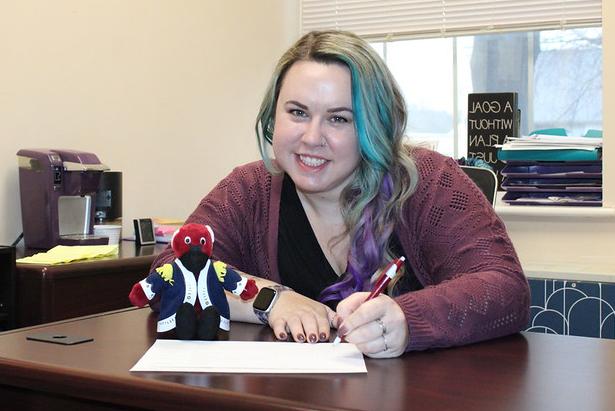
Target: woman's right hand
{"type": "Point", "coordinates": [304, 318]}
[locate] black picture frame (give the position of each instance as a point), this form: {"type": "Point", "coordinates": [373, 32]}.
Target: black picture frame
{"type": "Point", "coordinates": [144, 231]}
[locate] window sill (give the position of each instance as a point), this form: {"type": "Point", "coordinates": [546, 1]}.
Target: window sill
{"type": "Point", "coordinates": [597, 270]}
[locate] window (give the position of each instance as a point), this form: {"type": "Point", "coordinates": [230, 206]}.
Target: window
{"type": "Point", "coordinates": [548, 51]}
{"type": "Point", "coordinates": [556, 73]}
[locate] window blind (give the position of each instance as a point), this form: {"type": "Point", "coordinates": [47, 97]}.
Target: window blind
{"type": "Point", "coordinates": [387, 19]}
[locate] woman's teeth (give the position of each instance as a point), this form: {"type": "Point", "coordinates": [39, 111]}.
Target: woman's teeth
{"type": "Point", "coordinates": [311, 161]}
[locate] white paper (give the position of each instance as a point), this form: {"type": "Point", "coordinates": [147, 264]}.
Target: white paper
{"type": "Point", "coordinates": [251, 357]}
{"type": "Point", "coordinates": [547, 142]}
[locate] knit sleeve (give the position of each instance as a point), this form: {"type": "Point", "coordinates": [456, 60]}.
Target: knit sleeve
{"type": "Point", "coordinates": [237, 211]}
{"type": "Point", "coordinates": [475, 288]}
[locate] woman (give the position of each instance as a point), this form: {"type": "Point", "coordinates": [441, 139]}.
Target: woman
{"type": "Point", "coordinates": [341, 197]}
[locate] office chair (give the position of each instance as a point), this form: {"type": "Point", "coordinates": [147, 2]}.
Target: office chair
{"type": "Point", "coordinates": [485, 179]}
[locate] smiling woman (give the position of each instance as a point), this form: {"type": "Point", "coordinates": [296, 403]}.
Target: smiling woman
{"type": "Point", "coordinates": [315, 143]}
{"type": "Point", "coordinates": [314, 139]}
{"type": "Point", "coordinates": [342, 197]}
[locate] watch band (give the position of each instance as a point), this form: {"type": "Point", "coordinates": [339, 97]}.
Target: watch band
{"type": "Point", "coordinates": [263, 316]}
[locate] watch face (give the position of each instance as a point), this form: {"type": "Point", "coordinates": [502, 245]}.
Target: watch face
{"type": "Point", "coordinates": [263, 299]}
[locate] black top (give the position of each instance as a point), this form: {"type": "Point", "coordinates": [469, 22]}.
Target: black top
{"type": "Point", "coordinates": [302, 263]}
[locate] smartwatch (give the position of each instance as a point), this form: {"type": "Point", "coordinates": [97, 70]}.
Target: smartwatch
{"type": "Point", "coordinates": [264, 301]}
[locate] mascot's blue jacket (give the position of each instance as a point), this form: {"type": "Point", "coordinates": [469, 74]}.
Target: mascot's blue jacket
{"type": "Point", "coordinates": [177, 285]}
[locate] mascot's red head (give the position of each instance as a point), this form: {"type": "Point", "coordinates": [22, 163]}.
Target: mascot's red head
{"type": "Point", "coordinates": [196, 237]}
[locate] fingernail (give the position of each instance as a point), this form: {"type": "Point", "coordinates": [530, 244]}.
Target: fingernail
{"type": "Point", "coordinates": [282, 336]}
{"type": "Point", "coordinates": [313, 338]}
{"type": "Point", "coordinates": [323, 337]}
{"type": "Point", "coordinates": [301, 337]}
{"type": "Point", "coordinates": [342, 330]}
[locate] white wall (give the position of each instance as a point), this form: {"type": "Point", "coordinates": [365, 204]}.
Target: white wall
{"type": "Point", "coordinates": [165, 91]}
{"type": "Point", "coordinates": [608, 101]}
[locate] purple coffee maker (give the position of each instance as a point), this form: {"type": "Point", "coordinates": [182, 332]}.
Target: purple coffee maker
{"type": "Point", "coordinates": [58, 197]}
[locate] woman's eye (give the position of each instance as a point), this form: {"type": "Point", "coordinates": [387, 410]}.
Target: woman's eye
{"type": "Point", "coordinates": [339, 119]}
{"type": "Point", "coordinates": [298, 113]}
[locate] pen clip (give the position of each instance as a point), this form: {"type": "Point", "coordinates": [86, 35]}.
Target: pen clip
{"type": "Point", "coordinates": [394, 266]}
{"type": "Point", "coordinates": [386, 275]}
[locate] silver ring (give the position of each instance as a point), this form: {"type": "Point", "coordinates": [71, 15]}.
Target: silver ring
{"type": "Point", "coordinates": [386, 347]}
{"type": "Point", "coordinates": [382, 326]}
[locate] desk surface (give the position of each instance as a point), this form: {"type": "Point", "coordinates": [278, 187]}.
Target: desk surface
{"type": "Point", "coordinates": [521, 372]}
{"type": "Point", "coordinates": [127, 249]}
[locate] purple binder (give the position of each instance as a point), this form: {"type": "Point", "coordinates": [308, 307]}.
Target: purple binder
{"type": "Point", "coordinates": [553, 170]}
{"type": "Point", "coordinates": [552, 184]}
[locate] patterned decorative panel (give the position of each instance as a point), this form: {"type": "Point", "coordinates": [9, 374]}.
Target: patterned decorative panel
{"type": "Point", "coordinates": [572, 308]}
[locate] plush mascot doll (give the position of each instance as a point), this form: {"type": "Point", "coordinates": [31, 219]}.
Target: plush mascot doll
{"type": "Point", "coordinates": [191, 288]}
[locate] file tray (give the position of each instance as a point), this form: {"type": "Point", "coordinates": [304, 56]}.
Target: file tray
{"type": "Point", "coordinates": [552, 198]}
{"type": "Point", "coordinates": [553, 169]}
{"type": "Point", "coordinates": [552, 184]}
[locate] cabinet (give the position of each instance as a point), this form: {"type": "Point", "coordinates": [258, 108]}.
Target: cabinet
{"type": "Point", "coordinates": [7, 288]}
{"type": "Point", "coordinates": [48, 293]}
{"type": "Point", "coordinates": [570, 307]}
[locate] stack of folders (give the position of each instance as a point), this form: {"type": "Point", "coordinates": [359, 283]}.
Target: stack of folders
{"type": "Point", "coordinates": [552, 170]}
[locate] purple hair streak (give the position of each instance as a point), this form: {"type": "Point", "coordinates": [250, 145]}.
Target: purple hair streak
{"type": "Point", "coordinates": [367, 248]}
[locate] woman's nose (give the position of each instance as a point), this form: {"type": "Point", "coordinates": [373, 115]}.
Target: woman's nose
{"type": "Point", "coordinates": [313, 134]}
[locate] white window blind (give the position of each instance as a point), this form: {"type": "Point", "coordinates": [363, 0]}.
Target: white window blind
{"type": "Point", "coordinates": [387, 19]}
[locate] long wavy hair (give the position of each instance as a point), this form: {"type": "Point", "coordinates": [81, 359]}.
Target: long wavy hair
{"type": "Point", "coordinates": [386, 175]}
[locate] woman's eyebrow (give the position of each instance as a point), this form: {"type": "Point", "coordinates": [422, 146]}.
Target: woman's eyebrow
{"type": "Point", "coordinates": [296, 103]}
{"type": "Point", "coordinates": [331, 110]}
{"type": "Point", "coordinates": [337, 109]}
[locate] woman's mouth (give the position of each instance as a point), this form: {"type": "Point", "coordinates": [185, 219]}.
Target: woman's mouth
{"type": "Point", "coordinates": [311, 161]}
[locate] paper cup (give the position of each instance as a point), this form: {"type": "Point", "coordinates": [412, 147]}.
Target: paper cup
{"type": "Point", "coordinates": [114, 232]}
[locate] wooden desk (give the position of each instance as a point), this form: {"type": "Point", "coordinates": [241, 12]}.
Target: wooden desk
{"type": "Point", "coordinates": [48, 293]}
{"type": "Point", "coordinates": [7, 287]}
{"type": "Point", "coordinates": [526, 371]}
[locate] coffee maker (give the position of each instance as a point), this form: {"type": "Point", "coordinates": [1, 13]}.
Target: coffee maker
{"type": "Point", "coordinates": [109, 198]}
{"type": "Point", "coordinates": [58, 197]}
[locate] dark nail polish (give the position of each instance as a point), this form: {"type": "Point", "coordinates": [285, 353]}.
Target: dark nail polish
{"type": "Point", "coordinates": [282, 336]}
{"type": "Point", "coordinates": [342, 331]}
{"type": "Point", "coordinates": [323, 337]}
{"type": "Point", "coordinates": [313, 338]}
{"type": "Point", "coordinates": [301, 337]}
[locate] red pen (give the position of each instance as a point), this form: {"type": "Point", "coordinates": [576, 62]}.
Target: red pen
{"type": "Point", "coordinates": [388, 273]}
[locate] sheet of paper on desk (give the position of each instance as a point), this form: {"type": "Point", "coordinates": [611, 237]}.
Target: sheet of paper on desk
{"type": "Point", "coordinates": [251, 357]}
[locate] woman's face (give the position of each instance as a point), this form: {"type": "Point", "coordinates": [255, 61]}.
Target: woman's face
{"type": "Point", "coordinates": [314, 138]}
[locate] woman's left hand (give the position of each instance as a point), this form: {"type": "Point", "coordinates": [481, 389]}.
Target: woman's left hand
{"type": "Point", "coordinates": [377, 327]}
